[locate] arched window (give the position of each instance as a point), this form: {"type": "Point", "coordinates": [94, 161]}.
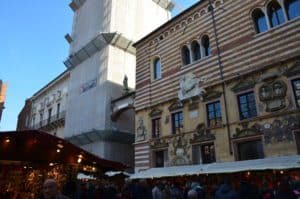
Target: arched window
{"type": "Point", "coordinates": [206, 45]}
{"type": "Point", "coordinates": [292, 8]}
{"type": "Point", "coordinates": [275, 13]}
{"type": "Point", "coordinates": [196, 51]}
{"type": "Point", "coordinates": [185, 53]}
{"type": "Point", "coordinates": [156, 68]}
{"type": "Point", "coordinates": [260, 21]}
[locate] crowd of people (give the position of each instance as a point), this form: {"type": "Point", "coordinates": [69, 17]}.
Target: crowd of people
{"type": "Point", "coordinates": [286, 188]}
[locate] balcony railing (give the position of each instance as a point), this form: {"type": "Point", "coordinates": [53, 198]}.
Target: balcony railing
{"type": "Point", "coordinates": [53, 121]}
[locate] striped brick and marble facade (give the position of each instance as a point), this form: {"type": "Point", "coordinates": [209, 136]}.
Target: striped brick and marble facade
{"type": "Point", "coordinates": [142, 156]}
{"type": "Point", "coordinates": [240, 63]}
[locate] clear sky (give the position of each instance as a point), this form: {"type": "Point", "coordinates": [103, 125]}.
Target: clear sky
{"type": "Point", "coordinates": [33, 48]}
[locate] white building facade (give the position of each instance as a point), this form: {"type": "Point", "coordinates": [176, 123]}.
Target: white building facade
{"type": "Point", "coordinates": [101, 55]}
{"type": "Point", "coordinates": [98, 115]}
{"type": "Point", "coordinates": [48, 106]}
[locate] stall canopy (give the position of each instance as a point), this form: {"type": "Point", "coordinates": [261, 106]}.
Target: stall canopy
{"type": "Point", "coordinates": [275, 163]}
{"type": "Point", "coordinates": [40, 148]}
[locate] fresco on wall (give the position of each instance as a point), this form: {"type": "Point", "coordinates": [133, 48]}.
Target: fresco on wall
{"type": "Point", "coordinates": [280, 130]}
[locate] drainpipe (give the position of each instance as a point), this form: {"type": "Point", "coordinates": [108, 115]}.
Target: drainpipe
{"type": "Point", "coordinates": [211, 9]}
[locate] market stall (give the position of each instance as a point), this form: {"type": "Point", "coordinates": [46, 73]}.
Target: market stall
{"type": "Point", "coordinates": [27, 158]}
{"type": "Point", "coordinates": [260, 174]}
{"type": "Point", "coordinates": [274, 163]}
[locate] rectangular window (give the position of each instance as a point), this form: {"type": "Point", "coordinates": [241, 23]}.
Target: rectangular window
{"type": "Point", "coordinates": [33, 120]}
{"type": "Point", "coordinates": [214, 116]}
{"type": "Point", "coordinates": [208, 153]}
{"type": "Point", "coordinates": [177, 121]}
{"type": "Point", "coordinates": [49, 115]}
{"type": "Point", "coordinates": [41, 119]}
{"type": "Point", "coordinates": [247, 106]}
{"type": "Point", "coordinates": [296, 88]}
{"type": "Point", "coordinates": [204, 153]}
{"type": "Point", "coordinates": [156, 128]}
{"type": "Point", "coordinates": [57, 110]}
{"type": "Point", "coordinates": [250, 150]}
{"type": "Point", "coordinates": [161, 158]}
{"type": "Point", "coordinates": [156, 69]}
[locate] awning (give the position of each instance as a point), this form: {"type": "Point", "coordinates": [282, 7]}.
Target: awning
{"type": "Point", "coordinates": [40, 148]}
{"type": "Point", "coordinates": [116, 173]}
{"type": "Point", "coordinates": [274, 163]}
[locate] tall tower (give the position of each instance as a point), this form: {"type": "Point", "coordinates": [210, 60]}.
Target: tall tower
{"type": "Point", "coordinates": [101, 54]}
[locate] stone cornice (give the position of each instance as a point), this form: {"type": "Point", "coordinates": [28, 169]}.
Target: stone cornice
{"type": "Point", "coordinates": [178, 22]}
{"type": "Point", "coordinates": [97, 44]}
{"type": "Point", "coordinates": [166, 4]}
{"type": "Point", "coordinates": [101, 135]}
{"type": "Point", "coordinates": [76, 4]}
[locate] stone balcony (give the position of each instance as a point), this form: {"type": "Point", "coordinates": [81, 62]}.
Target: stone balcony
{"type": "Point", "coordinates": [55, 121]}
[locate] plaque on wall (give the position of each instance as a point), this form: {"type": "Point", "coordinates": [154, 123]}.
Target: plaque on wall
{"type": "Point", "coordinates": [193, 114]}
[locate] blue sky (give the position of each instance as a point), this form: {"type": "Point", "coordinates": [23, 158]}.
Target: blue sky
{"type": "Point", "coordinates": [33, 48]}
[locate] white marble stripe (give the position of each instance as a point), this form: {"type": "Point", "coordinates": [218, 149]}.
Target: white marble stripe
{"type": "Point", "coordinates": [141, 152]}
{"type": "Point", "coordinates": [141, 168]}
{"type": "Point", "coordinates": [142, 162]}
{"type": "Point", "coordinates": [142, 157]}
{"type": "Point", "coordinates": [141, 147]}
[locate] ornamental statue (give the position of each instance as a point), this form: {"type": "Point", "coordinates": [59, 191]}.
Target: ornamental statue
{"type": "Point", "coordinates": [141, 131]}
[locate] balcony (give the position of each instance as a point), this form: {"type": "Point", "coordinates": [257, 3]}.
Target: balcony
{"type": "Point", "coordinates": [57, 120]}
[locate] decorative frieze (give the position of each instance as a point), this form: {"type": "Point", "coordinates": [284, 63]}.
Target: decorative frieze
{"type": "Point", "coordinates": [202, 134]}
{"type": "Point", "coordinates": [179, 153]}
{"type": "Point", "coordinates": [159, 143]}
{"type": "Point", "coordinates": [155, 112]}
{"type": "Point", "coordinates": [246, 131]}
{"type": "Point", "coordinates": [293, 70]}
{"type": "Point", "coordinates": [175, 105]}
{"type": "Point", "coordinates": [211, 95]}
{"type": "Point", "coordinates": [242, 85]}
{"type": "Point", "coordinates": [280, 130]}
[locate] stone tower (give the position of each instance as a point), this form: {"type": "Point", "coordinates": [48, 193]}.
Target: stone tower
{"type": "Point", "coordinates": [100, 56]}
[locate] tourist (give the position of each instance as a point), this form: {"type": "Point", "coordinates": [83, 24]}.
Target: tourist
{"type": "Point", "coordinates": [157, 191]}
{"type": "Point", "coordinates": [285, 191]}
{"type": "Point", "coordinates": [175, 191]}
{"type": "Point", "coordinates": [50, 190]}
{"type": "Point", "coordinates": [225, 191]}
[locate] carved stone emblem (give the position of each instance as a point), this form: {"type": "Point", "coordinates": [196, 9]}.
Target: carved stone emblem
{"type": "Point", "coordinates": [141, 131]}
{"type": "Point", "coordinates": [189, 87]}
{"type": "Point", "coordinates": [273, 95]}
